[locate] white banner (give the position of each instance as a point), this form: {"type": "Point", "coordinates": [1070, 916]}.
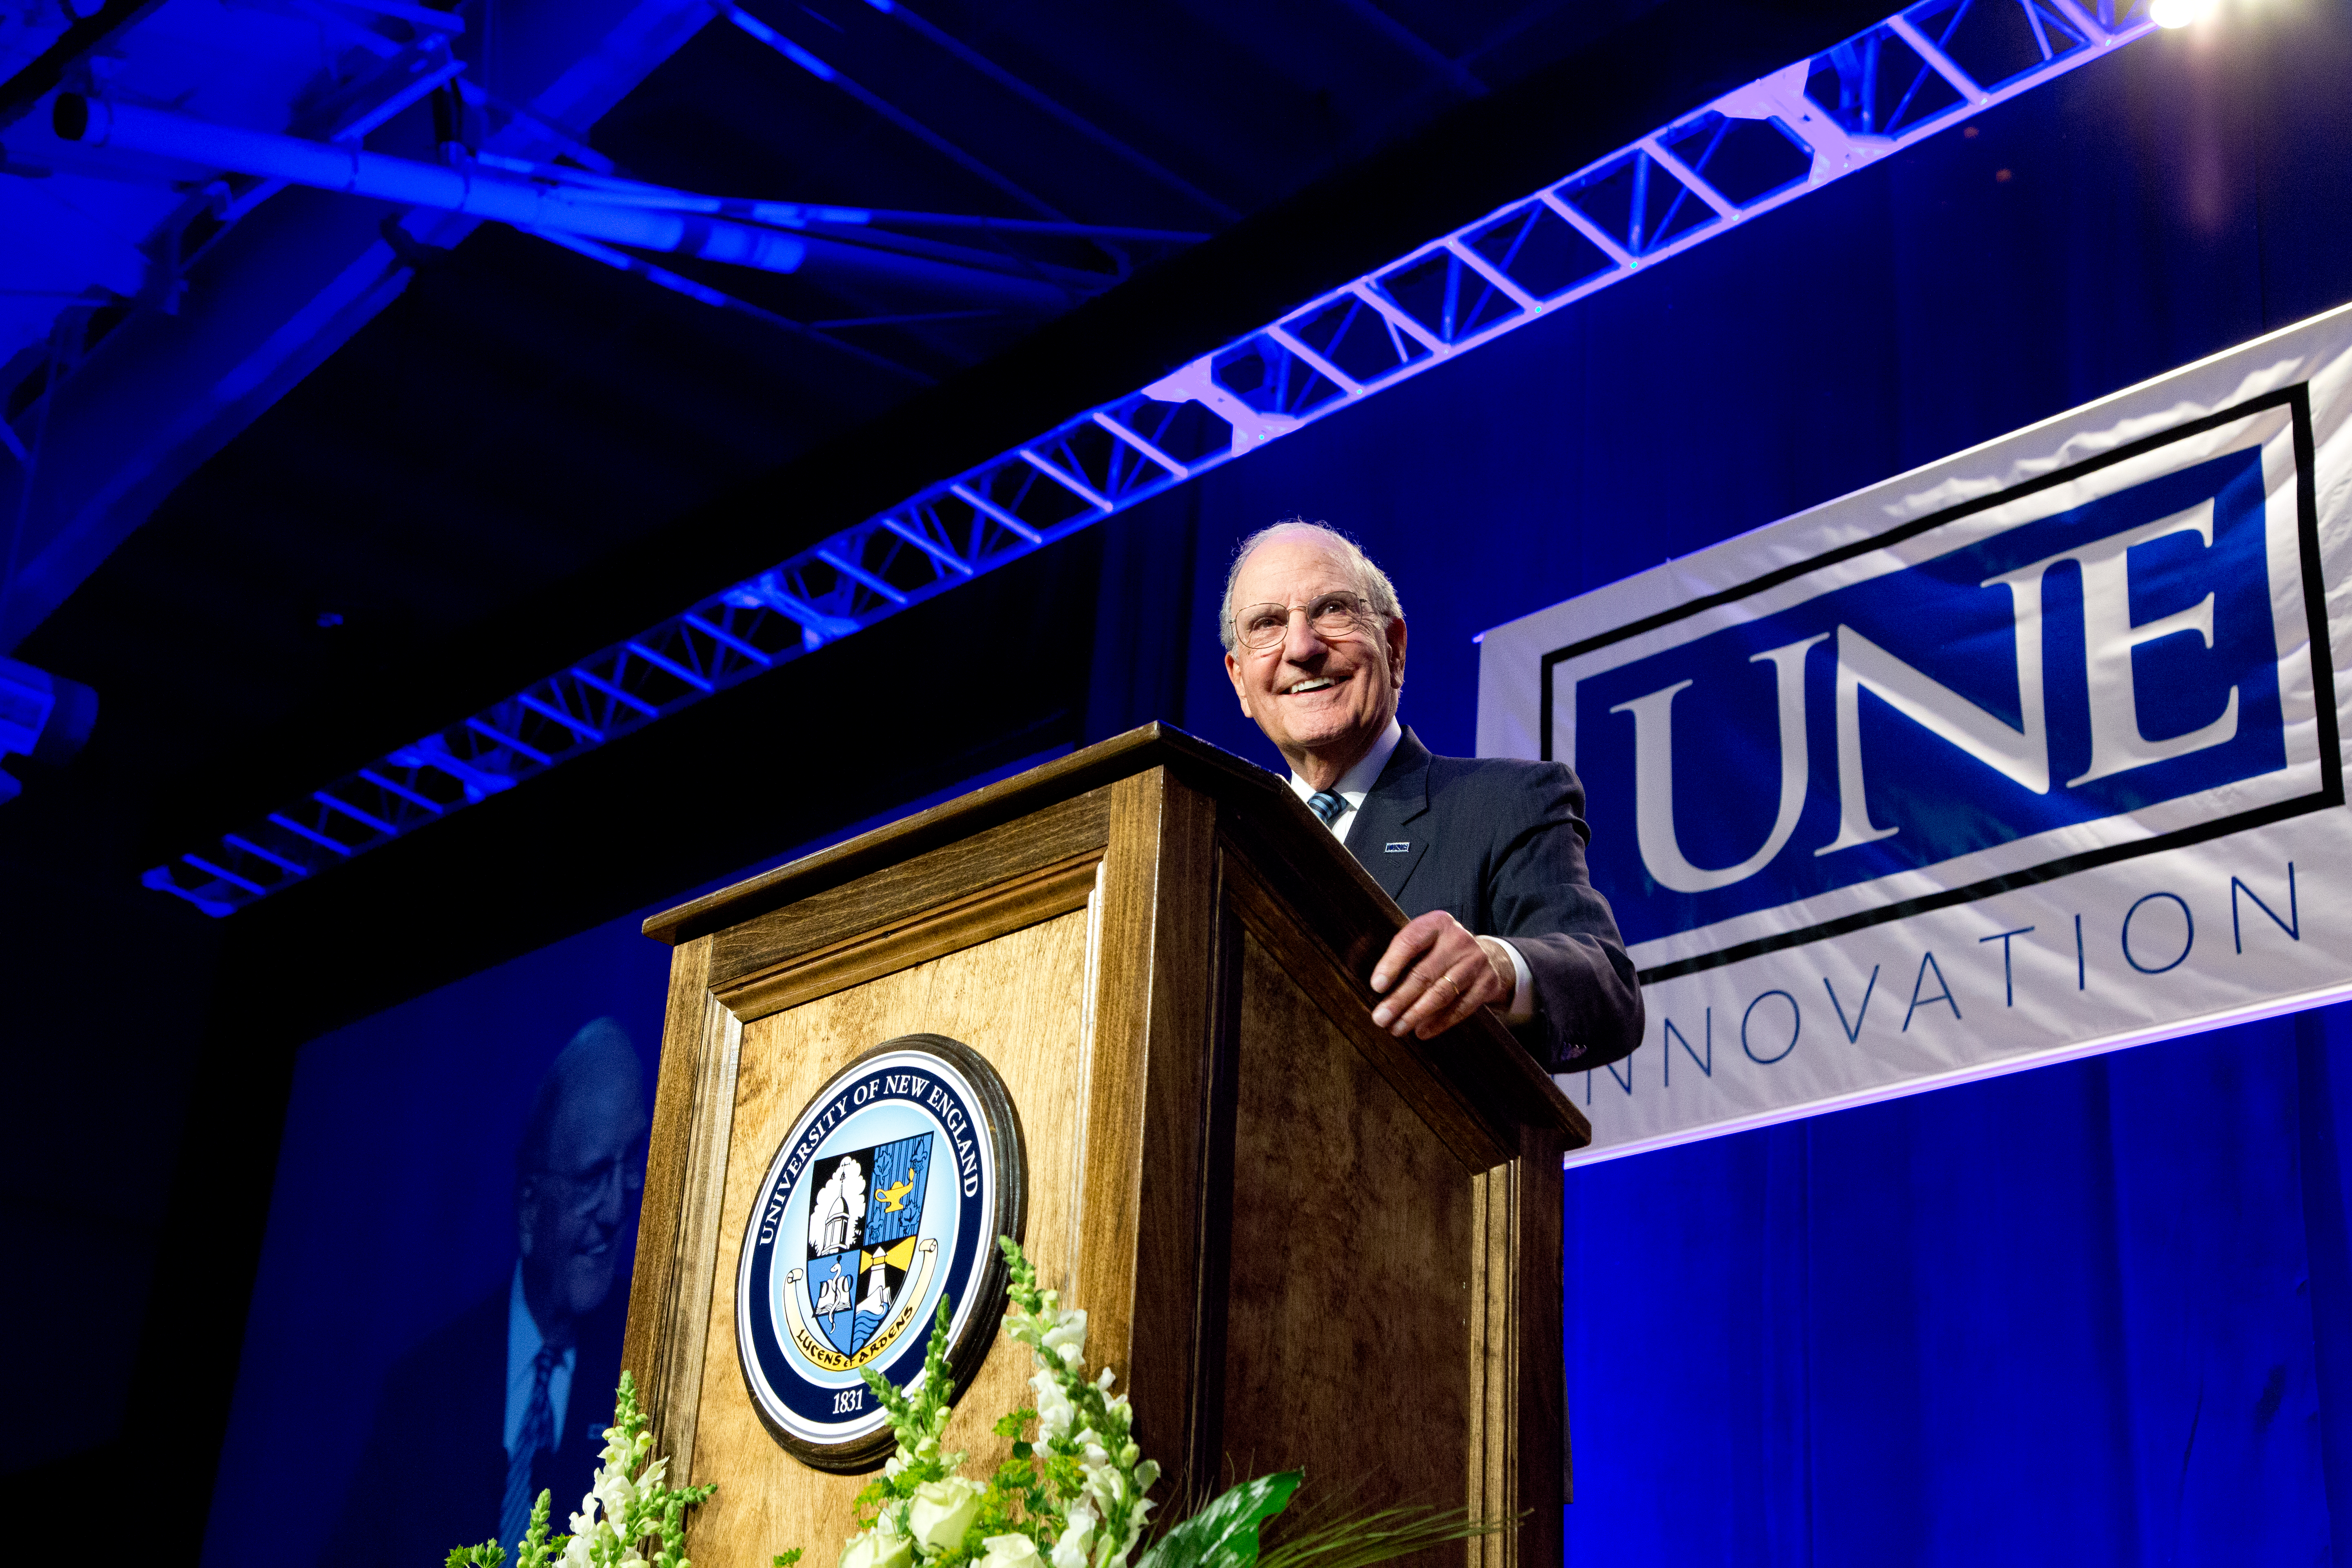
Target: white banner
{"type": "Point", "coordinates": [2033, 753]}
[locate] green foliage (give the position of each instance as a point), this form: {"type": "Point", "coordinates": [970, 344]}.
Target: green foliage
{"type": "Point", "coordinates": [915, 1421]}
{"type": "Point", "coordinates": [634, 1508]}
{"type": "Point", "coordinates": [1074, 1489]}
{"type": "Point", "coordinates": [1015, 1500]}
{"type": "Point", "coordinates": [1089, 1478]}
{"type": "Point", "coordinates": [1224, 1534]}
{"type": "Point", "coordinates": [1356, 1539]}
{"type": "Point", "coordinates": [1074, 1486]}
{"type": "Point", "coordinates": [535, 1550]}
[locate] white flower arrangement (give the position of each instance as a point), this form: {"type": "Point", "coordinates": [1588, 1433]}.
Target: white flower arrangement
{"type": "Point", "coordinates": [1075, 1497]}
{"type": "Point", "coordinates": [619, 1514]}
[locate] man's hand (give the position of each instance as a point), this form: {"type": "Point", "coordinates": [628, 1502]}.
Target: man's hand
{"type": "Point", "coordinates": [1436, 974]}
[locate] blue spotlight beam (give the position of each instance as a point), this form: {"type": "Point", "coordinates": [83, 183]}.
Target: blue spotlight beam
{"type": "Point", "coordinates": [1932, 66]}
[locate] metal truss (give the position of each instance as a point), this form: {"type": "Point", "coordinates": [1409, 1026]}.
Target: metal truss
{"type": "Point", "coordinates": [342, 113]}
{"type": "Point", "coordinates": [1930, 67]}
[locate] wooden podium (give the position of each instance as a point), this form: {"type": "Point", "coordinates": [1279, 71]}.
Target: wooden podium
{"type": "Point", "coordinates": [1300, 1241]}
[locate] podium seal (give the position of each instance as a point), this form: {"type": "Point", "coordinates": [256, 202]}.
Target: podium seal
{"type": "Point", "coordinates": [885, 1200]}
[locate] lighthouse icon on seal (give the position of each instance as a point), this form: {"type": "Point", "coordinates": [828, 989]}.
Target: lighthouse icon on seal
{"type": "Point", "coordinates": [878, 1289]}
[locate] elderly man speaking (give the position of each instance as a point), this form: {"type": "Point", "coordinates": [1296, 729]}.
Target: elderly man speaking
{"type": "Point", "coordinates": [1486, 855]}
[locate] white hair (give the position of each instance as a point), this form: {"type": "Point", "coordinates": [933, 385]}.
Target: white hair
{"type": "Point", "coordinates": [1380, 593]}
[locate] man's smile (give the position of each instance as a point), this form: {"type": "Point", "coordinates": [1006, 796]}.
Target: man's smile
{"type": "Point", "coordinates": [1326, 688]}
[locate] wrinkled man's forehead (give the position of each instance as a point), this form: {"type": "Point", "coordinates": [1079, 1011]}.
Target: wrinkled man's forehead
{"type": "Point", "coordinates": [1280, 565]}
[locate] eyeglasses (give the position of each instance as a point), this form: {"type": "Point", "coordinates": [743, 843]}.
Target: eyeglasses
{"type": "Point", "coordinates": [1335, 617]}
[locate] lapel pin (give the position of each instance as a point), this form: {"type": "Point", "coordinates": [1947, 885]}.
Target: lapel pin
{"type": "Point", "coordinates": [1400, 848]}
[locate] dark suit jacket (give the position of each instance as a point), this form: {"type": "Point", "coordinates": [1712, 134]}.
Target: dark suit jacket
{"type": "Point", "coordinates": [1498, 844]}
{"type": "Point", "coordinates": [434, 1475]}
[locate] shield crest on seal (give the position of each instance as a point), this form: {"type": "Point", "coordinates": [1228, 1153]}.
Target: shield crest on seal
{"type": "Point", "coordinates": [864, 1224]}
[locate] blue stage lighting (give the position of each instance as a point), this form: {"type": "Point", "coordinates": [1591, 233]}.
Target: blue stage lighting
{"type": "Point", "coordinates": [42, 715]}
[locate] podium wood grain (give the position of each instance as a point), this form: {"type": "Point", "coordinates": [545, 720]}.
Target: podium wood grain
{"type": "Point", "coordinates": [1299, 1241]}
{"type": "Point", "coordinates": [1351, 1220]}
{"type": "Point", "coordinates": [766, 1501]}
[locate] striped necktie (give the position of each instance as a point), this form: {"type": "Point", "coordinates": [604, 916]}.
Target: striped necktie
{"type": "Point", "coordinates": [1326, 806]}
{"type": "Point", "coordinates": [538, 1432]}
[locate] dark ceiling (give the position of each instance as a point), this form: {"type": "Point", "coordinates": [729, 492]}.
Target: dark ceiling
{"type": "Point", "coordinates": [529, 453]}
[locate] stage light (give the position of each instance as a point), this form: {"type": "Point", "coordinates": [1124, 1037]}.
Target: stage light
{"type": "Point", "coordinates": [2179, 13]}
{"type": "Point", "coordinates": [42, 715]}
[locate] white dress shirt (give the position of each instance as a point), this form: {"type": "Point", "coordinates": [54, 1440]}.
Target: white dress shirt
{"type": "Point", "coordinates": [1353, 786]}
{"type": "Point", "coordinates": [523, 1340]}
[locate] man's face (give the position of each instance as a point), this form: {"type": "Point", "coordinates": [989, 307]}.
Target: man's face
{"type": "Point", "coordinates": [571, 1213]}
{"type": "Point", "coordinates": [1313, 695]}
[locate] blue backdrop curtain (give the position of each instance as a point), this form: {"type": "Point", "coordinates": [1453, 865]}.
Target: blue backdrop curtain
{"type": "Point", "coordinates": [2093, 1313]}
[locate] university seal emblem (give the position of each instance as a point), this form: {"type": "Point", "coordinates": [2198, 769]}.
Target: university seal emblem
{"type": "Point", "coordinates": [885, 1200]}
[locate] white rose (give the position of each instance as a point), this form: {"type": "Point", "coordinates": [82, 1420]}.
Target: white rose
{"type": "Point", "coordinates": [942, 1511]}
{"type": "Point", "coordinates": [1010, 1552]}
{"type": "Point", "coordinates": [877, 1548]}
